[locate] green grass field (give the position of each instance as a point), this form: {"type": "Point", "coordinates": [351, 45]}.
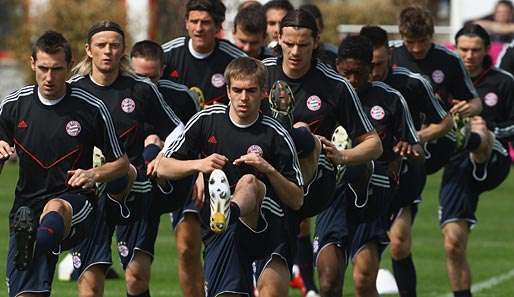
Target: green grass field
{"type": "Point", "coordinates": [491, 247]}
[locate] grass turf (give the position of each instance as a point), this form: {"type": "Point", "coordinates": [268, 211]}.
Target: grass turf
{"type": "Point", "coordinates": [490, 250]}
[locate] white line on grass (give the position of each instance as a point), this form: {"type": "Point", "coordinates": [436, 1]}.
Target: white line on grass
{"type": "Point", "coordinates": [489, 283]}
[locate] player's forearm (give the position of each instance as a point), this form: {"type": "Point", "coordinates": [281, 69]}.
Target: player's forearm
{"type": "Point", "coordinates": [369, 148]}
{"type": "Point", "coordinates": [173, 169]}
{"type": "Point", "coordinates": [436, 130]}
{"type": "Point", "coordinates": [111, 170]}
{"type": "Point", "coordinates": [288, 192]}
{"type": "Point", "coordinates": [475, 107]}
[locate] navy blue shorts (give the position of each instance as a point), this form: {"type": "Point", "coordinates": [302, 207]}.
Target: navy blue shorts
{"type": "Point", "coordinates": [438, 152]}
{"type": "Point", "coordinates": [462, 183]}
{"type": "Point", "coordinates": [172, 196]}
{"type": "Point", "coordinates": [228, 257]}
{"type": "Point", "coordinates": [38, 276]}
{"type": "Point", "coordinates": [319, 193]}
{"type": "Point", "coordinates": [336, 225]}
{"type": "Point", "coordinates": [280, 240]}
{"type": "Point", "coordinates": [412, 182]}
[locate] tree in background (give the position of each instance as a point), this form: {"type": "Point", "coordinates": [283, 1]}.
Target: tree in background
{"type": "Point", "coordinates": [70, 17]}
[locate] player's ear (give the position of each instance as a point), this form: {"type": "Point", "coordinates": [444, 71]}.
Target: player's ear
{"type": "Point", "coordinates": [88, 50]}
{"type": "Point", "coordinates": [32, 63]}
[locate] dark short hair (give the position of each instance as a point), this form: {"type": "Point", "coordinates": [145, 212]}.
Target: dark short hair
{"type": "Point", "coordinates": [215, 8]}
{"type": "Point", "coordinates": [251, 20]}
{"type": "Point", "coordinates": [376, 35]}
{"type": "Point", "coordinates": [245, 67]}
{"type": "Point", "coordinates": [278, 4]}
{"type": "Point", "coordinates": [356, 47]}
{"type": "Point", "coordinates": [416, 22]}
{"type": "Point", "coordinates": [52, 42]}
{"type": "Point", "coordinates": [474, 30]}
{"type": "Point", "coordinates": [300, 19]}
{"type": "Point", "coordinates": [147, 49]}
{"type": "Point", "coordinates": [105, 25]}
{"type": "Point", "coordinates": [316, 13]}
{"type": "Point", "coordinates": [507, 3]}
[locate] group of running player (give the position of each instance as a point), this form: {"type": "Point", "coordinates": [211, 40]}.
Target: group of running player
{"type": "Point", "coordinates": [243, 144]}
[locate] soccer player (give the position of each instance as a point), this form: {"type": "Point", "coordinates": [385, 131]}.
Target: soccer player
{"type": "Point", "coordinates": [342, 229]}
{"type": "Point", "coordinates": [54, 128]}
{"type": "Point", "coordinates": [486, 165]}
{"type": "Point", "coordinates": [250, 32]}
{"type": "Point", "coordinates": [327, 52]}
{"type": "Point", "coordinates": [261, 167]}
{"type": "Point", "coordinates": [199, 59]}
{"type": "Point", "coordinates": [147, 60]}
{"type": "Point", "coordinates": [275, 10]}
{"type": "Point", "coordinates": [322, 99]}
{"type": "Point", "coordinates": [136, 107]}
{"type": "Point", "coordinates": [452, 84]}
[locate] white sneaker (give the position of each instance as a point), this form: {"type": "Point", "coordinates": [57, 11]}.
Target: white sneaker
{"type": "Point", "coordinates": [220, 196]}
{"type": "Point", "coordinates": [342, 142]}
{"type": "Point", "coordinates": [98, 157]}
{"type": "Point", "coordinates": [312, 293]}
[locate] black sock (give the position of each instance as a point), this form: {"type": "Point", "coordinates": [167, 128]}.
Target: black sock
{"type": "Point", "coordinates": [235, 210]}
{"type": "Point", "coordinates": [462, 293]}
{"type": "Point", "coordinates": [144, 294]}
{"type": "Point", "coordinates": [473, 142]}
{"type": "Point", "coordinates": [303, 141]}
{"type": "Point", "coordinates": [305, 262]}
{"type": "Point", "coordinates": [405, 276]}
{"type": "Point", "coordinates": [49, 233]}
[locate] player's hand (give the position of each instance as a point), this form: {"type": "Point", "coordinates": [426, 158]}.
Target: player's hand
{"type": "Point", "coordinates": [198, 191]}
{"type": "Point", "coordinates": [151, 168]}
{"type": "Point", "coordinates": [256, 161]}
{"type": "Point", "coordinates": [461, 107]}
{"type": "Point", "coordinates": [82, 178]}
{"type": "Point", "coordinates": [405, 149]}
{"type": "Point", "coordinates": [333, 154]}
{"type": "Point", "coordinates": [214, 161]}
{"type": "Point", "coordinates": [5, 150]}
{"type": "Point", "coordinates": [153, 139]}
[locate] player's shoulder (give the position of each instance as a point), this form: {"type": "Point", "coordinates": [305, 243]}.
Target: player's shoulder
{"type": "Point", "coordinates": [270, 61]}
{"type": "Point", "coordinates": [387, 90]}
{"type": "Point", "coordinates": [502, 77]}
{"type": "Point", "coordinates": [16, 96]}
{"type": "Point", "coordinates": [409, 78]}
{"type": "Point", "coordinates": [274, 126]}
{"type": "Point", "coordinates": [327, 75]}
{"type": "Point", "coordinates": [171, 85]}
{"type": "Point", "coordinates": [76, 78]}
{"type": "Point", "coordinates": [443, 54]}
{"type": "Point", "coordinates": [229, 49]}
{"type": "Point", "coordinates": [174, 44]}
{"type": "Point", "coordinates": [86, 99]}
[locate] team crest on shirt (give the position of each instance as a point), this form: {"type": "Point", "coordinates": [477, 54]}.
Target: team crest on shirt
{"type": "Point", "coordinates": [217, 80]}
{"type": "Point", "coordinates": [128, 105]}
{"type": "Point", "coordinates": [438, 76]}
{"type": "Point", "coordinates": [75, 258]}
{"type": "Point", "coordinates": [313, 103]}
{"type": "Point", "coordinates": [377, 112]}
{"type": "Point", "coordinates": [491, 99]}
{"type": "Point", "coordinates": [255, 149]}
{"type": "Point", "coordinates": [123, 249]}
{"type": "Point", "coordinates": [73, 128]}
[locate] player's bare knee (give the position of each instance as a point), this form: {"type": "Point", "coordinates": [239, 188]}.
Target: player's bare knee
{"type": "Point", "coordinates": [136, 282]}
{"type": "Point", "coordinates": [400, 246]}
{"type": "Point", "coordinates": [364, 281]}
{"type": "Point", "coordinates": [305, 228]}
{"type": "Point", "coordinates": [454, 246]}
{"type": "Point", "coordinates": [58, 205]}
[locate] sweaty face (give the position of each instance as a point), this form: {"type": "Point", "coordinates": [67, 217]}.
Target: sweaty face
{"type": "Point", "coordinates": [297, 45]}
{"type": "Point", "coordinates": [250, 43]}
{"type": "Point", "coordinates": [273, 18]}
{"type": "Point", "coordinates": [418, 47]}
{"type": "Point", "coordinates": [202, 30]}
{"type": "Point", "coordinates": [380, 63]}
{"type": "Point", "coordinates": [245, 99]}
{"type": "Point", "coordinates": [51, 72]}
{"type": "Point", "coordinates": [356, 72]}
{"type": "Point", "coordinates": [106, 49]}
{"type": "Point", "coordinates": [472, 51]}
{"type": "Point", "coordinates": [150, 68]}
